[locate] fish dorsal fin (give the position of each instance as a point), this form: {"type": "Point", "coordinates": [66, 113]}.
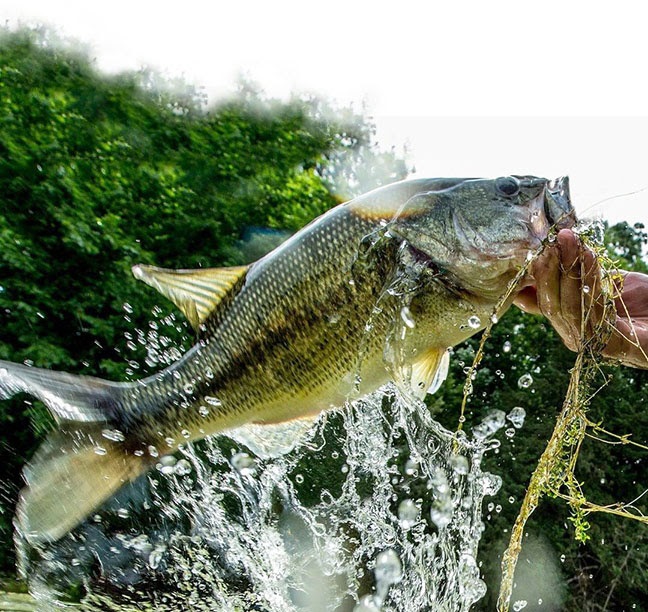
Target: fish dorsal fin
{"type": "Point", "coordinates": [196, 293]}
{"type": "Point", "coordinates": [430, 371]}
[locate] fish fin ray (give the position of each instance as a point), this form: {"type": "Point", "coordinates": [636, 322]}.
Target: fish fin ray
{"type": "Point", "coordinates": [196, 293]}
{"type": "Point", "coordinates": [73, 472]}
{"type": "Point", "coordinates": [429, 372]}
{"type": "Point", "coordinates": [67, 396]}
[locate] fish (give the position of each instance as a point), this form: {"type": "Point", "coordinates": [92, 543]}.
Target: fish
{"type": "Point", "coordinates": [377, 289]}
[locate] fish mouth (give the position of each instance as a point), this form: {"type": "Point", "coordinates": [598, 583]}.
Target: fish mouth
{"type": "Point", "coordinates": [557, 204]}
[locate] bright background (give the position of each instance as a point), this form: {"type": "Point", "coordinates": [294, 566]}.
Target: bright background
{"type": "Point", "coordinates": [471, 88]}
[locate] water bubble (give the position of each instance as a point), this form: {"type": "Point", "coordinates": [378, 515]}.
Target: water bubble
{"type": "Point", "coordinates": [511, 500]}
{"type": "Point", "coordinates": [510, 432]}
{"type": "Point", "coordinates": [494, 318]}
{"type": "Point", "coordinates": [153, 451]}
{"type": "Point", "coordinates": [127, 308]}
{"type": "Point", "coordinates": [474, 322]}
{"type": "Point", "coordinates": [525, 381]}
{"type": "Point", "coordinates": [517, 416]}
{"type": "Point", "coordinates": [408, 513]}
{"type": "Point", "coordinates": [586, 289]}
{"type": "Point", "coordinates": [203, 411]}
{"type": "Point", "coordinates": [506, 347]}
{"type": "Point", "coordinates": [186, 433]}
{"type": "Point", "coordinates": [243, 464]}
{"type": "Point", "coordinates": [113, 434]}
{"type": "Point", "coordinates": [299, 478]}
{"type": "Point", "coordinates": [100, 450]}
{"type": "Point", "coordinates": [188, 388]}
{"type": "Point", "coordinates": [520, 604]}
{"type": "Point", "coordinates": [123, 513]}
{"type": "Point", "coordinates": [388, 568]}
{"type": "Point", "coordinates": [407, 317]}
{"type": "Point", "coordinates": [213, 401]}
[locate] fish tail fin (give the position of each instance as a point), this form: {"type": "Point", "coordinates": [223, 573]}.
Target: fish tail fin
{"type": "Point", "coordinates": [82, 463]}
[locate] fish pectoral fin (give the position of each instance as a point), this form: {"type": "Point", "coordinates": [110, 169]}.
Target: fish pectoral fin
{"type": "Point", "coordinates": [429, 372]}
{"type": "Point", "coordinates": [196, 293]}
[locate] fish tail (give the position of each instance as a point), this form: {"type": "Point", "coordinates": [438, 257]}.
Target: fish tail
{"type": "Point", "coordinates": [83, 462]}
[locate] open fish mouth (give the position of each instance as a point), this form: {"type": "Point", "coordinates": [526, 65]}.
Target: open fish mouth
{"type": "Point", "coordinates": [557, 203]}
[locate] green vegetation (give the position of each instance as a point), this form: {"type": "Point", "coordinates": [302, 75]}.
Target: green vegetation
{"type": "Point", "coordinates": [98, 174]}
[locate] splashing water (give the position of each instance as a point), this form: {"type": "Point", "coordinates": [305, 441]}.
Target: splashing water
{"type": "Point", "coordinates": [387, 519]}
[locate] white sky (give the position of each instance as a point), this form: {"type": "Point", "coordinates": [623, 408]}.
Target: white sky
{"type": "Point", "coordinates": [473, 88]}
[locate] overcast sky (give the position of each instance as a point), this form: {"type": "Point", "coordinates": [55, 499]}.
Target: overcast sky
{"type": "Point", "coordinates": [472, 88]}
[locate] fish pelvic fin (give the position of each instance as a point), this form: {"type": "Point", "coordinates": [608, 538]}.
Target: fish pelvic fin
{"type": "Point", "coordinates": [197, 293]}
{"type": "Point", "coordinates": [74, 471]}
{"type": "Point", "coordinates": [82, 463]}
{"type": "Point", "coordinates": [429, 372]}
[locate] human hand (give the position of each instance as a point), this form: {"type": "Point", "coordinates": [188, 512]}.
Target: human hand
{"type": "Point", "coordinates": [566, 281]}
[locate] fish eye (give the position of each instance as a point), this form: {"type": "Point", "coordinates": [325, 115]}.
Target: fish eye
{"type": "Point", "coordinates": [508, 186]}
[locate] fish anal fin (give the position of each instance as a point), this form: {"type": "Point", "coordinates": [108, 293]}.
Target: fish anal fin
{"type": "Point", "coordinates": [196, 293]}
{"type": "Point", "coordinates": [429, 371]}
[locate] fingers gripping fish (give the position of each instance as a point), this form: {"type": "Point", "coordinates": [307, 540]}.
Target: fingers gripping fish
{"type": "Point", "coordinates": [302, 330]}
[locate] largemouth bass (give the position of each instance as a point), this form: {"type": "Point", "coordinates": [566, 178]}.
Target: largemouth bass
{"type": "Point", "coordinates": [376, 289]}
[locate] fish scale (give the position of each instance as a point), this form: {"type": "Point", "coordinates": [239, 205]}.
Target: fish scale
{"type": "Point", "coordinates": [376, 289]}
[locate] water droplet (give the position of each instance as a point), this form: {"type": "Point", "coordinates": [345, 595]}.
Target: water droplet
{"type": "Point", "coordinates": [474, 322]}
{"type": "Point", "coordinates": [123, 513]}
{"type": "Point", "coordinates": [510, 432]}
{"type": "Point", "coordinates": [586, 289]}
{"type": "Point", "coordinates": [411, 467]}
{"type": "Point", "coordinates": [459, 464]}
{"type": "Point", "coordinates": [203, 411]}
{"type": "Point", "coordinates": [408, 513]}
{"type": "Point", "coordinates": [156, 556]}
{"type": "Point", "coordinates": [511, 500]}
{"type": "Point", "coordinates": [506, 347]}
{"type": "Point", "coordinates": [186, 433]}
{"type": "Point", "coordinates": [243, 464]}
{"type": "Point", "coordinates": [494, 318]}
{"type": "Point", "coordinates": [520, 604]}
{"type": "Point", "coordinates": [407, 317]}
{"type": "Point", "coordinates": [113, 434]}
{"type": "Point", "coordinates": [209, 373]}
{"type": "Point", "coordinates": [153, 451]}
{"type": "Point", "coordinates": [367, 603]}
{"type": "Point", "coordinates": [100, 450]}
{"type": "Point", "coordinates": [167, 464]}
{"type": "Point", "coordinates": [491, 483]}
{"type": "Point", "coordinates": [517, 416]}
{"type": "Point", "coordinates": [388, 568]}
{"type": "Point", "coordinates": [213, 401]}
{"type": "Point", "coordinates": [188, 389]}
{"type": "Point", "coordinates": [525, 381]}
{"type": "Point", "coordinates": [490, 424]}
{"type": "Point", "coordinates": [299, 478]}
{"type": "Point", "coordinates": [127, 308]}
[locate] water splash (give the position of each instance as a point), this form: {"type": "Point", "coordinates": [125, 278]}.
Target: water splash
{"type": "Point", "coordinates": [377, 507]}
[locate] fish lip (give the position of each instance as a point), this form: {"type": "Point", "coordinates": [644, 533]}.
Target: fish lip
{"type": "Point", "coordinates": [557, 203]}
